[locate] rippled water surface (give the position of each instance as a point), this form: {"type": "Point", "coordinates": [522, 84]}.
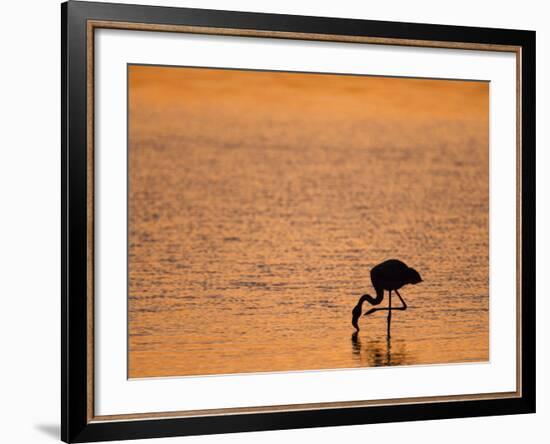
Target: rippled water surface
{"type": "Point", "coordinates": [259, 201]}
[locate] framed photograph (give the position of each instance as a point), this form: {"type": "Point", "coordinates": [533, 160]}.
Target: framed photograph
{"type": "Point", "coordinates": [275, 221]}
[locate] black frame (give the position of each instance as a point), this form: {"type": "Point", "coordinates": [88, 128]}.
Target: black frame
{"type": "Point", "coordinates": [75, 426]}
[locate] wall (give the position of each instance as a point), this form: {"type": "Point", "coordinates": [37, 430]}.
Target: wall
{"type": "Point", "coordinates": [29, 238]}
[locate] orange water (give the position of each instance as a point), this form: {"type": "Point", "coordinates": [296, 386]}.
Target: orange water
{"type": "Point", "coordinates": [259, 201]}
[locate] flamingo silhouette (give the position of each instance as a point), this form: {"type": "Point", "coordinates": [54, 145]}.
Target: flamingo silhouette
{"type": "Point", "coordinates": [390, 275]}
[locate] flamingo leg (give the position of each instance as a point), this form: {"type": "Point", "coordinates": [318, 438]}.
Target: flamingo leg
{"type": "Point", "coordinates": [389, 316]}
{"type": "Point", "coordinates": [402, 308]}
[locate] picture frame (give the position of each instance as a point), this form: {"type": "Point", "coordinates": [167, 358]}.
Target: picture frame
{"type": "Point", "coordinates": [79, 316]}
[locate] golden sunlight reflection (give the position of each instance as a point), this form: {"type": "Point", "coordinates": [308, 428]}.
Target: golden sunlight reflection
{"type": "Point", "coordinates": [259, 202]}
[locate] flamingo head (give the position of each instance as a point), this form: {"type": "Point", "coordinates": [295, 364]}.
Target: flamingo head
{"type": "Point", "coordinates": [356, 314]}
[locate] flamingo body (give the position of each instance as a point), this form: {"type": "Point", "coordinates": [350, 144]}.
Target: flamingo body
{"type": "Point", "coordinates": [392, 275]}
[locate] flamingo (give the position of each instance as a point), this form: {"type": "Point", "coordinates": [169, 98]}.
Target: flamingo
{"type": "Point", "coordinates": [390, 275]}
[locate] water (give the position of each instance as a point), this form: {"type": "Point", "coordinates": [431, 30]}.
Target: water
{"type": "Point", "coordinates": [258, 203]}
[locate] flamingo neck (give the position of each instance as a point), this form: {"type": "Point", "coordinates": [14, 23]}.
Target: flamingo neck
{"type": "Point", "coordinates": [362, 299]}
{"type": "Point", "coordinates": [371, 300]}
